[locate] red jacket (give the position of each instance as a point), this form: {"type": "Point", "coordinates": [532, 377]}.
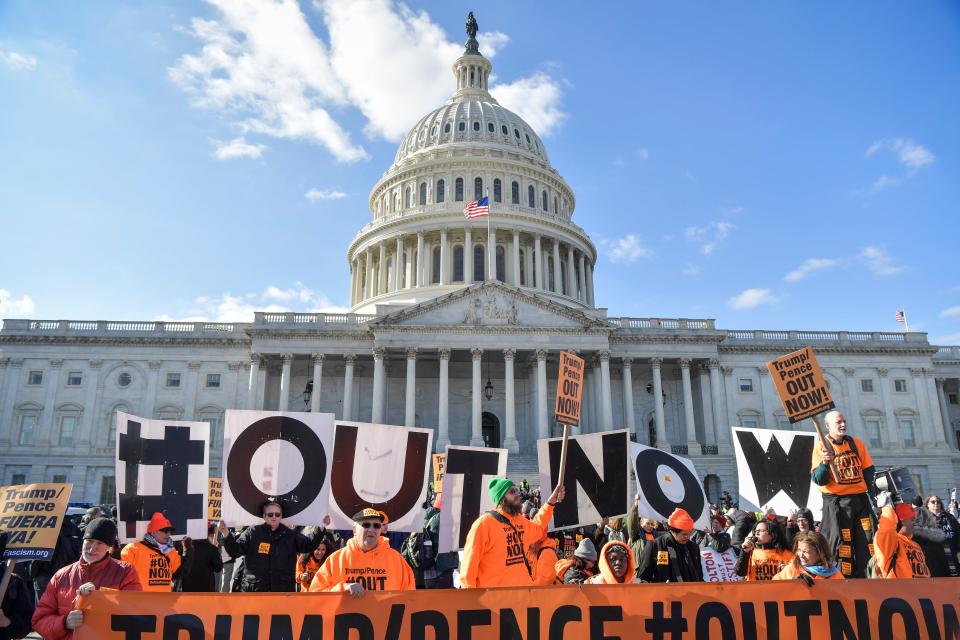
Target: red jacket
{"type": "Point", "coordinates": [60, 597]}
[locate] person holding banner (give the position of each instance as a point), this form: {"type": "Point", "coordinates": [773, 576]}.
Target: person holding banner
{"type": "Point", "coordinates": [672, 557]}
{"type": "Point", "coordinates": [844, 474]}
{"type": "Point", "coordinates": [811, 560]}
{"type": "Point", "coordinates": [764, 553]}
{"type": "Point", "coordinates": [495, 553]}
{"type": "Point", "coordinates": [367, 563]}
{"type": "Point", "coordinates": [616, 565]}
{"type": "Point", "coordinates": [897, 555]}
{"type": "Point", "coordinates": [155, 558]}
{"type": "Point", "coordinates": [57, 613]}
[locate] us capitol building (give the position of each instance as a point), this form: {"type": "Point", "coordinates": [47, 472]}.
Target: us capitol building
{"type": "Point", "coordinates": [458, 328]}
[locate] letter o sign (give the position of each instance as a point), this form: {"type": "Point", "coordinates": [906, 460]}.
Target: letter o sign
{"type": "Point", "coordinates": [647, 463]}
{"type": "Point", "coordinates": [247, 494]}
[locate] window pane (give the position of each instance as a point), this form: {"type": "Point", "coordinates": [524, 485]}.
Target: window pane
{"type": "Point", "coordinates": [213, 379]}
{"type": "Point", "coordinates": [60, 478]}
{"type": "Point", "coordinates": [746, 385]}
{"type": "Point", "coordinates": [173, 379]}
{"type": "Point", "coordinates": [459, 190]}
{"type": "Point", "coordinates": [477, 188]}
{"type": "Point", "coordinates": [18, 478]}
{"type": "Point", "coordinates": [479, 260]}
{"type": "Point", "coordinates": [531, 197]}
{"type": "Point", "coordinates": [27, 425]}
{"type": "Point", "coordinates": [68, 425]}
{"type": "Point", "coordinates": [440, 194]}
{"type": "Point", "coordinates": [873, 433]}
{"type": "Point", "coordinates": [906, 429]}
{"type": "Point", "coordinates": [108, 490]}
{"type": "Point", "coordinates": [458, 263]}
{"type": "Point", "coordinates": [436, 265]}
{"type": "Point", "coordinates": [35, 377]}
{"type": "Point", "coordinates": [74, 378]}
{"type": "Point", "coordinates": [543, 199]}
{"type": "Point", "coordinates": [900, 386]}
{"type": "Point", "coordinates": [515, 193]}
{"type": "Point", "coordinates": [501, 264]}
{"type": "Point", "coordinates": [423, 193]}
{"type": "Point", "coordinates": [497, 196]}
{"type": "Point", "coordinates": [866, 386]}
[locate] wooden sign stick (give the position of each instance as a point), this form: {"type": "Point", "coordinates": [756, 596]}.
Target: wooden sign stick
{"type": "Point", "coordinates": [827, 447]}
{"type": "Point", "coordinates": [563, 455]}
{"type": "Point", "coordinates": [7, 574]}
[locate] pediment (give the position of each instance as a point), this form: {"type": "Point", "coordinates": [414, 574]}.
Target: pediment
{"type": "Point", "coordinates": [492, 304]}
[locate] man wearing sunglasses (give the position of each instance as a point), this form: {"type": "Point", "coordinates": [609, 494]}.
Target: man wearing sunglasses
{"type": "Point", "coordinates": [270, 550]}
{"type": "Point", "coordinates": [154, 558]}
{"type": "Point", "coordinates": [367, 563]}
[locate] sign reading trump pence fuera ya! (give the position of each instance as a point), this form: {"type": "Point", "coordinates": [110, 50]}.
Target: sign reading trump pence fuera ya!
{"type": "Point", "coordinates": [800, 384]}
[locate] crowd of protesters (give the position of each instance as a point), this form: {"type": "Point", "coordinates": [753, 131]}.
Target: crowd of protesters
{"type": "Point", "coordinates": [507, 546]}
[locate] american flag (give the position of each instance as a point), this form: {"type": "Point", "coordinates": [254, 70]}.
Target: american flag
{"type": "Point", "coordinates": [901, 316]}
{"type": "Point", "coordinates": [477, 208]}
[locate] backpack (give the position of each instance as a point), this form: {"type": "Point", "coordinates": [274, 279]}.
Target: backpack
{"type": "Point", "coordinates": [416, 550]}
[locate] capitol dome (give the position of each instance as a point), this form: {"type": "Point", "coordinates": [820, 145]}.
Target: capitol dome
{"type": "Point", "coordinates": [419, 244]}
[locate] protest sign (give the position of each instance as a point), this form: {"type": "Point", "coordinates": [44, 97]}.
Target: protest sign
{"type": "Point", "coordinates": [773, 469]}
{"type": "Point", "coordinates": [719, 567]}
{"type": "Point", "coordinates": [162, 466]}
{"type": "Point", "coordinates": [569, 389]}
{"type": "Point", "coordinates": [666, 482]}
{"type": "Point", "coordinates": [266, 455]}
{"type": "Point", "coordinates": [800, 384]}
{"type": "Point", "coordinates": [597, 477]}
{"type": "Point", "coordinates": [439, 462]}
{"type": "Point", "coordinates": [381, 466]}
{"type": "Point", "coordinates": [215, 495]}
{"type": "Point", "coordinates": [465, 494]}
{"type": "Point", "coordinates": [783, 609]}
{"type": "Point", "coordinates": [31, 515]}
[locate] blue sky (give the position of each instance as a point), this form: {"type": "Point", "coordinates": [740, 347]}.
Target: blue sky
{"type": "Point", "coordinates": [765, 164]}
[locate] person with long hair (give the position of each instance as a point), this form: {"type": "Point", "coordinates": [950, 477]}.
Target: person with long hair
{"type": "Point", "coordinates": [309, 562]}
{"type": "Point", "coordinates": [812, 560]}
{"type": "Point", "coordinates": [764, 553]}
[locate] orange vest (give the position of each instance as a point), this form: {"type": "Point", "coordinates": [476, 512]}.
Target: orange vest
{"type": "Point", "coordinates": [766, 563]}
{"type": "Point", "coordinates": [154, 569]}
{"type": "Point", "coordinates": [850, 465]}
{"type": "Point", "coordinates": [380, 569]}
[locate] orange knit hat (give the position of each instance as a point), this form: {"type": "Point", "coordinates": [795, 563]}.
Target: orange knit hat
{"type": "Point", "coordinates": [680, 519]}
{"type": "Point", "coordinates": [159, 522]}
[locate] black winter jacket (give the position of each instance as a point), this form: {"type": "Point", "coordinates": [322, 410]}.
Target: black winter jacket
{"type": "Point", "coordinates": [270, 557]}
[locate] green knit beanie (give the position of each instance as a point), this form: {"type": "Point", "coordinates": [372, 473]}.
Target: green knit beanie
{"type": "Point", "coordinates": [497, 487]}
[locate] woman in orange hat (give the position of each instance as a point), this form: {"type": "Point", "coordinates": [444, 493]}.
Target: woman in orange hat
{"type": "Point", "coordinates": [154, 558]}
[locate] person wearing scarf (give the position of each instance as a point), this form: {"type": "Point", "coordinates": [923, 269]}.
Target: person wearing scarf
{"type": "Point", "coordinates": [155, 558]}
{"type": "Point", "coordinates": [811, 560]}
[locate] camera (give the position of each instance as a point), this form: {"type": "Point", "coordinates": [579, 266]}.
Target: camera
{"type": "Point", "coordinates": [898, 482]}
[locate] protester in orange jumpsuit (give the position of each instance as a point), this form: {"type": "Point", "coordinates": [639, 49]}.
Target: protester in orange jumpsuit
{"type": "Point", "coordinates": [367, 563]}
{"type": "Point", "coordinates": [898, 556]}
{"type": "Point", "coordinates": [497, 552]}
{"type": "Point", "coordinates": [155, 558]}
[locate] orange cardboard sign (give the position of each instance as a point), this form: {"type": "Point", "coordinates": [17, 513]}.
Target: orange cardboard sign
{"type": "Point", "coordinates": [213, 502]}
{"type": "Point", "coordinates": [439, 464]}
{"type": "Point", "coordinates": [783, 609]}
{"type": "Point", "coordinates": [800, 384]}
{"type": "Point", "coordinates": [569, 388]}
{"type": "Point", "coordinates": [32, 515]}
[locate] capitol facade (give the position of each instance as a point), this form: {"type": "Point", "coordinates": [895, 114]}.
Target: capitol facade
{"type": "Point", "coordinates": [456, 325]}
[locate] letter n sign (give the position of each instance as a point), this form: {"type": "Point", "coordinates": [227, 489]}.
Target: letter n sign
{"type": "Point", "coordinates": [569, 389]}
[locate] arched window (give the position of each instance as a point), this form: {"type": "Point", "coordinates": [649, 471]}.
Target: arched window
{"type": "Point", "coordinates": [458, 190]}
{"type": "Point", "coordinates": [516, 133]}
{"type": "Point", "coordinates": [490, 127]}
{"type": "Point", "coordinates": [543, 198]}
{"type": "Point", "coordinates": [423, 193]}
{"type": "Point", "coordinates": [556, 206]}
{"type": "Point", "coordinates": [531, 197]}
{"type": "Point", "coordinates": [440, 194]}
{"type": "Point", "coordinates": [435, 279]}
{"type": "Point", "coordinates": [409, 198]}
{"type": "Point", "coordinates": [527, 135]}
{"type": "Point", "coordinates": [503, 130]}
{"type": "Point", "coordinates": [446, 128]}
{"type": "Point", "coordinates": [497, 195]}
{"type": "Point", "coordinates": [550, 278]}
{"type": "Point", "coordinates": [515, 192]}
{"type": "Point", "coordinates": [477, 188]}
{"type": "Point", "coordinates": [458, 263]}
{"type": "Point", "coordinates": [501, 264]}
{"type": "Point", "coordinates": [479, 262]}
{"type": "Point", "coordinates": [749, 418]}
{"type": "Point", "coordinates": [476, 126]}
{"type": "Point", "coordinates": [461, 126]}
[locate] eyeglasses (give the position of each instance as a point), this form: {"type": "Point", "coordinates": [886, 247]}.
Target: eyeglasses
{"type": "Point", "coordinates": [167, 531]}
{"type": "Point", "coordinates": [274, 514]}
{"type": "Point", "coordinates": [367, 525]}
{"type": "Point", "coordinates": [933, 502]}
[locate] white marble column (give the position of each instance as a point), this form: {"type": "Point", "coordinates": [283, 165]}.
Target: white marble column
{"type": "Point", "coordinates": [347, 411]}
{"type": "Point", "coordinates": [706, 403]}
{"type": "Point", "coordinates": [661, 425]}
{"type": "Point", "coordinates": [543, 427]}
{"type": "Point", "coordinates": [410, 399]}
{"type": "Point", "coordinates": [376, 404]}
{"type": "Point", "coordinates": [923, 435]}
{"type": "Point", "coordinates": [571, 274]}
{"type": "Point", "coordinates": [443, 408]}
{"type": "Point", "coordinates": [538, 255]}
{"type": "Point", "coordinates": [476, 422]}
{"type": "Point", "coordinates": [528, 267]}
{"type": "Point", "coordinates": [557, 271]}
{"type": "Point", "coordinates": [89, 405]}
{"type": "Point", "coordinates": [606, 401]}
{"type": "Point", "coordinates": [590, 299]}
{"type": "Point", "coordinates": [444, 257]}
{"type": "Point", "coordinates": [693, 447]}
{"type": "Point", "coordinates": [193, 383]}
{"type": "Point", "coordinates": [852, 410]}
{"type": "Point", "coordinates": [510, 442]}
{"type": "Point", "coordinates": [943, 424]}
{"type": "Point", "coordinates": [44, 434]}
{"type": "Point", "coordinates": [317, 382]}
{"type": "Point", "coordinates": [420, 278]}
{"type": "Point", "coordinates": [515, 250]}
{"type": "Point", "coordinates": [720, 422]}
{"type": "Point", "coordinates": [627, 393]}
{"type": "Point", "coordinates": [467, 256]}
{"type": "Point", "coordinates": [7, 428]}
{"type": "Point", "coordinates": [894, 439]}
{"type": "Point", "coordinates": [939, 436]}
{"type": "Point", "coordinates": [285, 382]}
{"type": "Point", "coordinates": [582, 280]}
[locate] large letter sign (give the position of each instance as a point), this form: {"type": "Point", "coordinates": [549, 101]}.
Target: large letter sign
{"type": "Point", "coordinates": [465, 494]}
{"type": "Point", "coordinates": [282, 455]}
{"type": "Point", "coordinates": [666, 482]}
{"type": "Point", "coordinates": [773, 469]}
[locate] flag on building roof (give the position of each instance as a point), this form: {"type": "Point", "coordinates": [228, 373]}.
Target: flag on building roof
{"type": "Point", "coordinates": [477, 208]}
{"type": "Point", "coordinates": [901, 316]}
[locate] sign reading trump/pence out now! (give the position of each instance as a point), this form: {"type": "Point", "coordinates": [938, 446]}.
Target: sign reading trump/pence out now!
{"type": "Point", "coordinates": [32, 514]}
{"type": "Point", "coordinates": [800, 384]}
{"type": "Point", "coordinates": [569, 389]}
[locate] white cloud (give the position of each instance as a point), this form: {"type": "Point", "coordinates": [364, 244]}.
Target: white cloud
{"type": "Point", "coordinates": [228, 307]}
{"type": "Point", "coordinates": [328, 194]}
{"type": "Point", "coordinates": [709, 236]}
{"type": "Point", "coordinates": [237, 148]}
{"type": "Point", "coordinates": [880, 262]}
{"type": "Point", "coordinates": [18, 61]}
{"type": "Point", "coordinates": [809, 266]}
{"type": "Point", "coordinates": [11, 307]}
{"type": "Point", "coordinates": [884, 182]}
{"type": "Point", "coordinates": [628, 250]}
{"type": "Point", "coordinates": [911, 155]}
{"type": "Point", "coordinates": [752, 298]}
{"type": "Point", "coordinates": [263, 67]}
{"type": "Point", "coordinates": [952, 312]}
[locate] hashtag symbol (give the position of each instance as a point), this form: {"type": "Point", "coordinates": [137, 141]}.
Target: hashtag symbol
{"type": "Point", "coordinates": [661, 627]}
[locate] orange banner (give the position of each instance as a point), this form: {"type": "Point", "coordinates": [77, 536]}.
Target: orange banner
{"type": "Point", "coordinates": [800, 384]}
{"type": "Point", "coordinates": [879, 609]}
{"type": "Point", "coordinates": [569, 389]}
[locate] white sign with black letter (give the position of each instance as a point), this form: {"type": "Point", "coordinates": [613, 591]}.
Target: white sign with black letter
{"type": "Point", "coordinates": [666, 482]}
{"type": "Point", "coordinates": [465, 494]}
{"type": "Point", "coordinates": [773, 469]}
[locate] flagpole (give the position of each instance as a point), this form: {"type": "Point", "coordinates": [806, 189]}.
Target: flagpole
{"type": "Point", "coordinates": [906, 325]}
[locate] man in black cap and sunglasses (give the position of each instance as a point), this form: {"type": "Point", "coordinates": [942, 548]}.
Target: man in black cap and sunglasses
{"type": "Point", "coordinates": [367, 563]}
